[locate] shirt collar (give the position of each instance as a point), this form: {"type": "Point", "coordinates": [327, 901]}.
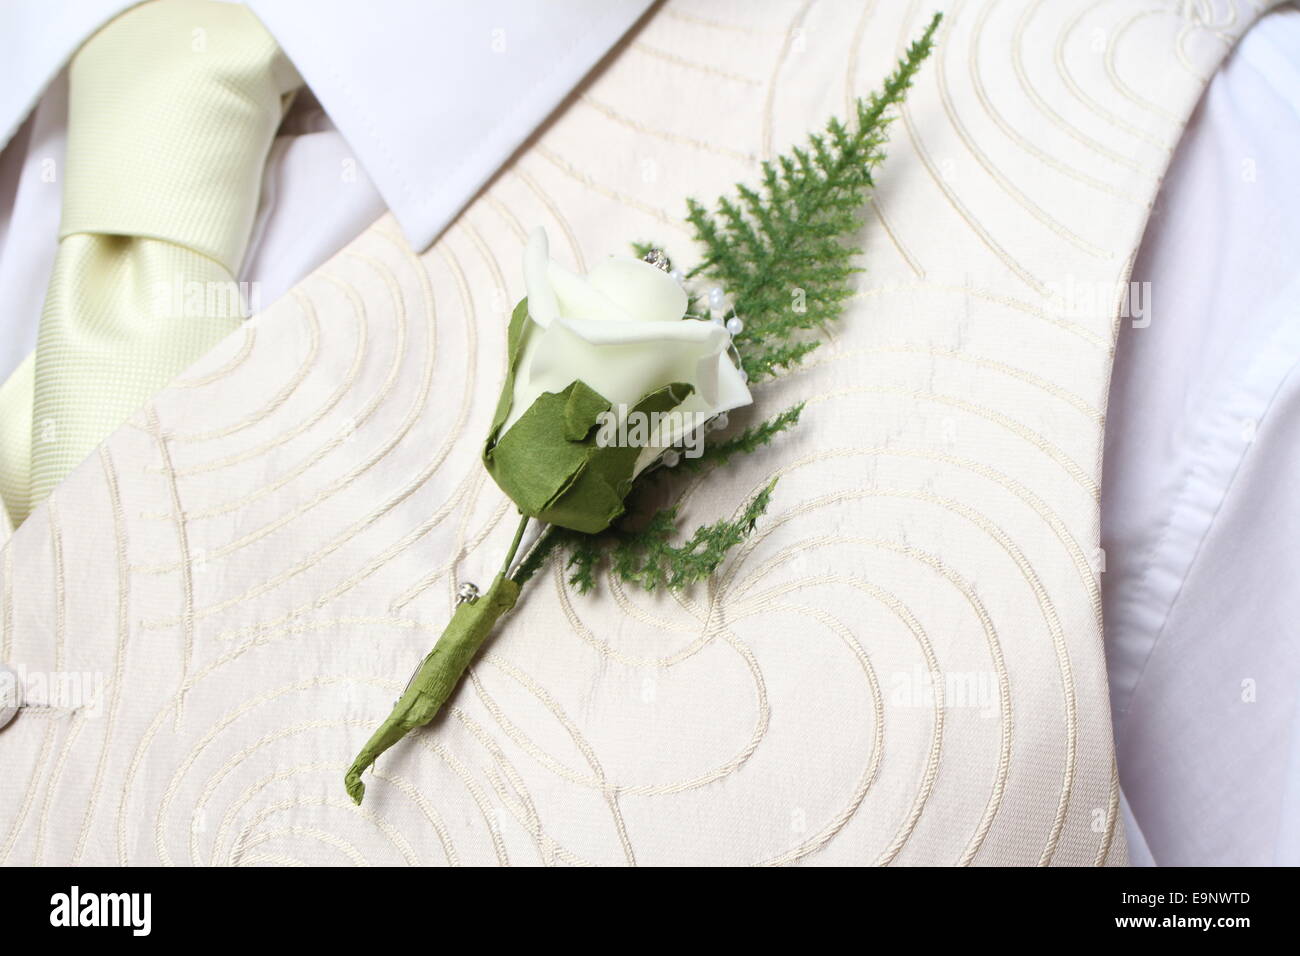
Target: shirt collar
{"type": "Point", "coordinates": [36, 40]}
{"type": "Point", "coordinates": [432, 95]}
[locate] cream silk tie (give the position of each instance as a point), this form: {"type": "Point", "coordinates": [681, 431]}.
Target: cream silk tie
{"type": "Point", "coordinates": [172, 108]}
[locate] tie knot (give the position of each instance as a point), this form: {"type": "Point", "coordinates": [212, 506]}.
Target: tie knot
{"type": "Point", "coordinates": [172, 108]}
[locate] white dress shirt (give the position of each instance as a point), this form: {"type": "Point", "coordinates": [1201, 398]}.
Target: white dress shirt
{"type": "Point", "coordinates": [1199, 513]}
{"type": "Point", "coordinates": [414, 106]}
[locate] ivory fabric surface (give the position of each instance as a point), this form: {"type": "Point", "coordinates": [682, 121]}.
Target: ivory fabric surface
{"type": "Point", "coordinates": [903, 666]}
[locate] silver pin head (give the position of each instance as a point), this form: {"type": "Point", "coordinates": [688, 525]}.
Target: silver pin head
{"type": "Point", "coordinates": [467, 593]}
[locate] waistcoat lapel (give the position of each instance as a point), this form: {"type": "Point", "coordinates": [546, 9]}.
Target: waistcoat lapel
{"type": "Point", "coordinates": [903, 666]}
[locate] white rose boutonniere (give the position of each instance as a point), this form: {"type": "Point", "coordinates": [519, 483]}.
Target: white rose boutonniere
{"type": "Point", "coordinates": [607, 372]}
{"type": "Point", "coordinates": [621, 331]}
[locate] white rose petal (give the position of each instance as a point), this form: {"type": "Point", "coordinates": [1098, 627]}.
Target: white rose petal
{"type": "Point", "coordinates": [626, 361]}
{"type": "Point", "coordinates": [644, 292]}
{"type": "Point", "coordinates": [542, 304]}
{"type": "Point", "coordinates": [731, 392]}
{"type": "Point", "coordinates": [579, 299]}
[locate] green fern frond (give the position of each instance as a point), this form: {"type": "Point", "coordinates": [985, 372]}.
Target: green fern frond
{"type": "Point", "coordinates": [779, 250]}
{"type": "Point", "coordinates": [750, 440]}
{"type": "Point", "coordinates": [649, 559]}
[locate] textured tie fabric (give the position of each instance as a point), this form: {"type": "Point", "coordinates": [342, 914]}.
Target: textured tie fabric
{"type": "Point", "coordinates": [172, 109]}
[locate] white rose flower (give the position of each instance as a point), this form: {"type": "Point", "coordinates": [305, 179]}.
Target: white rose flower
{"type": "Point", "coordinates": [620, 330]}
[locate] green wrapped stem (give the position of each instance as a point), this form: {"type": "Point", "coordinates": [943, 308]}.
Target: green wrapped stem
{"type": "Point", "coordinates": [437, 677]}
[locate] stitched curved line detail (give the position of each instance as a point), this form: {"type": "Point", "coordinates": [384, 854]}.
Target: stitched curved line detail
{"type": "Point", "coordinates": [1026, 144]}
{"type": "Point", "coordinates": [963, 587]}
{"type": "Point", "coordinates": [121, 552]}
{"type": "Point", "coordinates": [1080, 94]}
{"type": "Point", "coordinates": [185, 565]}
{"type": "Point", "coordinates": [1068, 465]}
{"type": "Point", "coordinates": [1018, 305]}
{"type": "Point", "coordinates": [1117, 81]}
{"type": "Point", "coordinates": [931, 771]}
{"type": "Point", "coordinates": [874, 201]}
{"type": "Point", "coordinates": [1022, 75]}
{"type": "Point", "coordinates": [241, 841]}
{"type": "Point", "coordinates": [404, 786]}
{"type": "Point", "coordinates": [510, 219]}
{"type": "Point", "coordinates": [984, 236]}
{"type": "Point", "coordinates": [576, 174]}
{"type": "Point", "coordinates": [60, 639]}
{"type": "Point", "coordinates": [963, 134]}
{"type": "Point", "coordinates": [580, 263]}
{"type": "Point", "coordinates": [337, 441]}
{"type": "Point", "coordinates": [698, 20]}
{"type": "Point", "coordinates": [658, 54]}
{"type": "Point", "coordinates": [412, 486]}
{"type": "Point", "coordinates": [272, 404]}
{"type": "Point", "coordinates": [872, 770]}
{"type": "Point", "coordinates": [338, 485]}
{"type": "Point", "coordinates": [226, 369]}
{"type": "Point", "coordinates": [1112, 814]}
{"type": "Point", "coordinates": [344, 386]}
{"type": "Point", "coordinates": [1001, 368]}
{"type": "Point", "coordinates": [667, 136]}
{"type": "Point", "coordinates": [713, 629]}
{"type": "Point", "coordinates": [521, 805]}
{"type": "Point", "coordinates": [160, 718]}
{"type": "Point", "coordinates": [321, 836]}
{"type": "Point", "coordinates": [461, 549]}
{"type": "Point", "coordinates": [769, 98]}
{"type": "Point", "coordinates": [1046, 609]}
{"type": "Point", "coordinates": [598, 782]}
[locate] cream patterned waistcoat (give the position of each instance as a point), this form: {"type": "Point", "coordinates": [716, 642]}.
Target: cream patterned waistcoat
{"type": "Point", "coordinates": [904, 665]}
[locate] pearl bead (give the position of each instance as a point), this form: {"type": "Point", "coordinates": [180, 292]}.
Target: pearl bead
{"type": "Point", "coordinates": [717, 297]}
{"type": "Point", "coordinates": [671, 458]}
{"type": "Point", "coordinates": [677, 276]}
{"type": "Point", "coordinates": [720, 421]}
{"type": "Point", "coordinates": [716, 318]}
{"type": "Point", "coordinates": [735, 326]}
